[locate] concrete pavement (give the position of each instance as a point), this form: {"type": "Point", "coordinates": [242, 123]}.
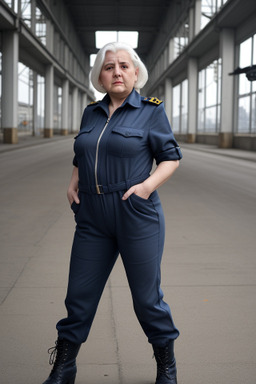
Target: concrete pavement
{"type": "Point", "coordinates": [208, 271]}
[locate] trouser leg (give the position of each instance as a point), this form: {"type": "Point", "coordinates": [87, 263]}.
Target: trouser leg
{"type": "Point", "coordinates": [92, 260]}
{"type": "Point", "coordinates": [141, 248]}
{"type": "Point", "coordinates": [152, 311]}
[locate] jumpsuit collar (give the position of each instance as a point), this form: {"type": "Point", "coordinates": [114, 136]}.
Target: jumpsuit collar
{"type": "Point", "coordinates": [134, 100]}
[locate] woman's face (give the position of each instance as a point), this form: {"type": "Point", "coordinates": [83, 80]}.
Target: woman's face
{"type": "Point", "coordinates": [118, 74]}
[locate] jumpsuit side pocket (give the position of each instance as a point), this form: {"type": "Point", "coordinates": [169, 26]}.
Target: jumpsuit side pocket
{"type": "Point", "coordinates": [75, 207]}
{"type": "Point", "coordinates": [144, 206]}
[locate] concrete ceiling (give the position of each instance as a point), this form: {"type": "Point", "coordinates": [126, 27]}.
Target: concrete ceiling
{"type": "Point", "coordinates": [146, 17]}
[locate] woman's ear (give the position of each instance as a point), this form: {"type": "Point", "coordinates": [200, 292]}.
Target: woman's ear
{"type": "Point", "coordinates": [136, 73]}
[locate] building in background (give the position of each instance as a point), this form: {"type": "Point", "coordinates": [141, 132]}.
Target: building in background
{"type": "Point", "coordinates": [190, 48]}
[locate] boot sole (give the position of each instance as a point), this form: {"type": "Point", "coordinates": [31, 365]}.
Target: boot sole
{"type": "Point", "coordinates": [71, 381]}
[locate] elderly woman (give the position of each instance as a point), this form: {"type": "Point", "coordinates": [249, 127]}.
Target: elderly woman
{"type": "Point", "coordinates": [117, 210]}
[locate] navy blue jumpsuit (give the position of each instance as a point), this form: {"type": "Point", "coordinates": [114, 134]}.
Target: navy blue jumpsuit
{"type": "Point", "coordinates": [111, 156]}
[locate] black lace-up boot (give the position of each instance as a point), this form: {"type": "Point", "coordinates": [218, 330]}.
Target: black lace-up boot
{"type": "Point", "coordinates": [63, 358]}
{"type": "Point", "coordinates": [166, 364]}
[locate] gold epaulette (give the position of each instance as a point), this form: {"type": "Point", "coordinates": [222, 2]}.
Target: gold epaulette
{"type": "Point", "coordinates": [93, 102]}
{"type": "Point", "coordinates": [153, 100]}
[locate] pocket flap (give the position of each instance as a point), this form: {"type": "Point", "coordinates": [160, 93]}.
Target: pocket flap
{"type": "Point", "coordinates": [128, 132]}
{"type": "Point", "coordinates": [86, 129]}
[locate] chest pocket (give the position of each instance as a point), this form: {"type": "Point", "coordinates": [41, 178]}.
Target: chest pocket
{"type": "Point", "coordinates": [82, 140]}
{"type": "Point", "coordinates": [125, 141]}
{"type": "Point", "coordinates": [84, 130]}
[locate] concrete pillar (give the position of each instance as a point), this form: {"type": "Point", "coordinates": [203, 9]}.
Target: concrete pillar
{"type": "Point", "coordinates": [33, 15]}
{"type": "Point", "coordinates": [84, 101]}
{"type": "Point", "coordinates": [66, 56]}
{"type": "Point", "coordinates": [197, 17]}
{"type": "Point", "coordinates": [65, 107]}
{"type": "Point", "coordinates": [79, 105]}
{"type": "Point", "coordinates": [191, 32]}
{"type": "Point", "coordinates": [168, 98]}
{"type": "Point", "coordinates": [194, 19]}
{"type": "Point", "coordinates": [10, 57]}
{"type": "Point", "coordinates": [160, 92]}
{"type": "Point", "coordinates": [75, 123]}
{"type": "Point", "coordinates": [192, 99]}
{"type": "Point", "coordinates": [49, 96]}
{"type": "Point", "coordinates": [227, 53]}
{"type": "Point", "coordinates": [36, 131]}
{"type": "Point", "coordinates": [49, 35]}
{"type": "Point", "coordinates": [171, 51]}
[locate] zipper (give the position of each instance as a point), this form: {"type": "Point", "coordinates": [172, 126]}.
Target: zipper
{"type": "Point", "coordinates": [99, 192]}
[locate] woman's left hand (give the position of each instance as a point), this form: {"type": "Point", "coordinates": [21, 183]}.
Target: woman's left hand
{"type": "Point", "coordinates": [139, 190]}
{"type": "Point", "coordinates": [161, 174]}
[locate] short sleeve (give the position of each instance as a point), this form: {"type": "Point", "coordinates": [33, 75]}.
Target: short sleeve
{"type": "Point", "coordinates": [161, 138]}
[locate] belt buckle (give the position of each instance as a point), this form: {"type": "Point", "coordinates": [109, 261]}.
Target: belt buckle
{"type": "Point", "coordinates": [99, 189]}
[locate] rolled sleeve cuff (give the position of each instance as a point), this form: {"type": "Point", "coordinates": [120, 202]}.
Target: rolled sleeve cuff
{"type": "Point", "coordinates": [172, 154]}
{"type": "Point", "coordinates": [75, 162]}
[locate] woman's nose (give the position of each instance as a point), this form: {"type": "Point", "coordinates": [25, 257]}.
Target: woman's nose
{"type": "Point", "coordinates": [117, 71]}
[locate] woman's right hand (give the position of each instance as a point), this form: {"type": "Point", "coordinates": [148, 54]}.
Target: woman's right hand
{"type": "Point", "coordinates": [72, 196]}
{"type": "Point", "coordinates": [72, 192]}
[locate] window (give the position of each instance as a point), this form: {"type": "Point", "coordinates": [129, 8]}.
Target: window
{"type": "Point", "coordinates": [176, 109]}
{"type": "Point", "coordinates": [184, 106]}
{"type": "Point", "coordinates": [57, 107]}
{"type": "Point", "coordinates": [208, 10]}
{"type": "Point", "coordinates": [40, 103]}
{"type": "Point", "coordinates": [181, 38]}
{"type": "Point", "coordinates": [104, 37]}
{"type": "Point", "coordinates": [209, 84]}
{"type": "Point", "coordinates": [25, 84]}
{"type": "Point", "coordinates": [247, 89]}
{"type": "Point", "coordinates": [13, 4]}
{"type": "Point", "coordinates": [40, 26]}
{"type": "Point", "coordinates": [180, 107]}
{"type": "Point", "coordinates": [25, 98]}
{"type": "Point", "coordinates": [26, 12]}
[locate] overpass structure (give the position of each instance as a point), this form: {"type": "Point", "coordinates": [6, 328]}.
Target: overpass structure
{"type": "Point", "coordinates": [190, 48]}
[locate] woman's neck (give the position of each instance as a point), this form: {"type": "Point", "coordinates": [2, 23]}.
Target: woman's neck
{"type": "Point", "coordinates": [115, 104]}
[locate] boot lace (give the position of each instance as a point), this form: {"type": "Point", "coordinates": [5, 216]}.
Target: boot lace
{"type": "Point", "coordinates": [162, 359]}
{"type": "Point", "coordinates": [54, 352]}
{"type": "Point", "coordinates": [166, 365]}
